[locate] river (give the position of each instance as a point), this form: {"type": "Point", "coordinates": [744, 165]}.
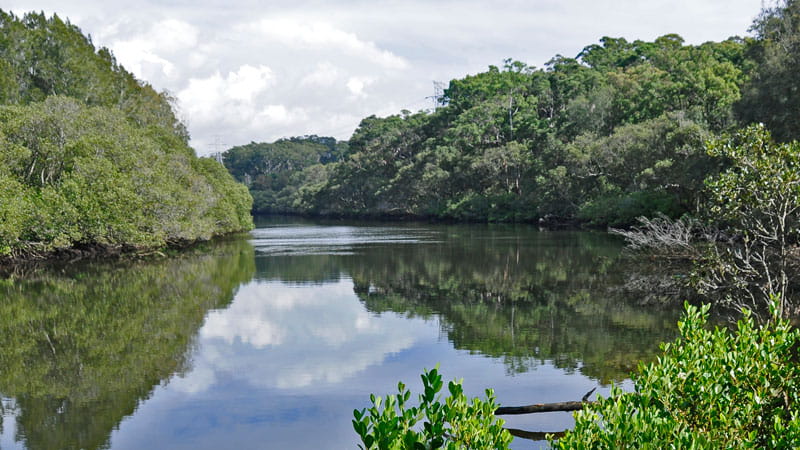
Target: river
{"type": "Point", "coordinates": [272, 339]}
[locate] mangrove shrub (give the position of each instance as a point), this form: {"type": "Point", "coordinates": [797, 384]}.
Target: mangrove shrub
{"type": "Point", "coordinates": [455, 423]}
{"type": "Point", "coordinates": [710, 389]}
{"type": "Point", "coordinates": [90, 156]}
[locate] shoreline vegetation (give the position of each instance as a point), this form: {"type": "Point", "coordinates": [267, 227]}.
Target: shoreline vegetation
{"type": "Point", "coordinates": [94, 161]}
{"type": "Point", "coordinates": [20, 266]}
{"type": "Point", "coordinates": [616, 133]}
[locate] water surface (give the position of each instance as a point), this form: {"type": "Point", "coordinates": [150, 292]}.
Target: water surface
{"type": "Point", "coordinates": [271, 340]}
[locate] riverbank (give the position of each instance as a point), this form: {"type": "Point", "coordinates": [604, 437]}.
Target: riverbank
{"type": "Point", "coordinates": [30, 261]}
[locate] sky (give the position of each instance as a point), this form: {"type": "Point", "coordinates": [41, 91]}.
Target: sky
{"type": "Point", "coordinates": [257, 71]}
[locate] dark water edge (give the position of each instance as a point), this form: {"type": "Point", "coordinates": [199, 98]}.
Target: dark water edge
{"type": "Point", "coordinates": [548, 222]}
{"type": "Point", "coordinates": [22, 265]}
{"type": "Point", "coordinates": [252, 343]}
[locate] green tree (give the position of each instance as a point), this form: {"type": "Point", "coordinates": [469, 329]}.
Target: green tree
{"type": "Point", "coordinates": [639, 170]}
{"type": "Point", "coordinates": [771, 96]}
{"type": "Point", "coordinates": [96, 178]}
{"type": "Point", "coordinates": [274, 172]}
{"type": "Point", "coordinates": [601, 138]}
{"type": "Point", "coordinates": [92, 156]}
{"type": "Point", "coordinates": [758, 197]}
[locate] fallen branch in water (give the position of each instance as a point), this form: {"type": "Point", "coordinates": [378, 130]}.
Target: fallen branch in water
{"type": "Point", "coordinates": [535, 435]}
{"type": "Point", "coordinates": [544, 407]}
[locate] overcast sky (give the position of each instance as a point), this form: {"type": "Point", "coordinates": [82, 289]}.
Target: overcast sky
{"type": "Point", "coordinates": [260, 70]}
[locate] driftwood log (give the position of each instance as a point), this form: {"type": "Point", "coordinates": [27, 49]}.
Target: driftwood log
{"type": "Point", "coordinates": [535, 435]}
{"type": "Point", "coordinates": [545, 407]}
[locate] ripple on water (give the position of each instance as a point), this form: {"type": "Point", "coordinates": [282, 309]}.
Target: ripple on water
{"type": "Point", "coordinates": [331, 240]}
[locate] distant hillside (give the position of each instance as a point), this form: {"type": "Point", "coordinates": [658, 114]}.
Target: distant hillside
{"type": "Point", "coordinates": [279, 174]}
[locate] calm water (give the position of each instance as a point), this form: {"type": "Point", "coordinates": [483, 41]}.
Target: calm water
{"type": "Point", "coordinates": [271, 341]}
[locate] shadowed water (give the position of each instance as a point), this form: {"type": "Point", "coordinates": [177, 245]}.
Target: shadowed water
{"type": "Point", "coordinates": [271, 340]}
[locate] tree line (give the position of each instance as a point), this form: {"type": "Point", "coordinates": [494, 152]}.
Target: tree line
{"type": "Point", "coordinates": [92, 156]}
{"type": "Point", "coordinates": [612, 134]}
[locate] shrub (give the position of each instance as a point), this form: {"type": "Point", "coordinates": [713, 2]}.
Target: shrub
{"type": "Point", "coordinates": [391, 424]}
{"type": "Point", "coordinates": [74, 175]}
{"type": "Point", "coordinates": [710, 389]}
{"type": "Point", "coordinates": [625, 209]}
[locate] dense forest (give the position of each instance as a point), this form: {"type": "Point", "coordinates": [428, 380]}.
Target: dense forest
{"type": "Point", "coordinates": [93, 157]}
{"type": "Point", "coordinates": [617, 132]}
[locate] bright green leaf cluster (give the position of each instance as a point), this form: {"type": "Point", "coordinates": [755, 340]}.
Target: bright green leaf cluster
{"type": "Point", "coordinates": [457, 423]}
{"type": "Point", "coordinates": [710, 389]}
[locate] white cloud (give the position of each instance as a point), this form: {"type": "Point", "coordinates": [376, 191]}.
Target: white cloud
{"type": "Point", "coordinates": [356, 85]}
{"type": "Point", "coordinates": [173, 35]}
{"type": "Point", "coordinates": [141, 60]}
{"type": "Point", "coordinates": [201, 97]}
{"type": "Point", "coordinates": [278, 114]}
{"type": "Point", "coordinates": [149, 52]}
{"type": "Point", "coordinates": [248, 82]}
{"type": "Point", "coordinates": [232, 98]}
{"type": "Point", "coordinates": [315, 35]}
{"type": "Point", "coordinates": [324, 75]}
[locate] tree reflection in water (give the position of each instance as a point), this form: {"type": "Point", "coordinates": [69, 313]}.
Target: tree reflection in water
{"type": "Point", "coordinates": [510, 292]}
{"type": "Point", "coordinates": [81, 347]}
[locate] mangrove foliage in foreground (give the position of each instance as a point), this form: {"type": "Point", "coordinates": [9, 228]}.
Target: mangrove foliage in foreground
{"type": "Point", "coordinates": [710, 389]}
{"type": "Point", "coordinates": [91, 156]}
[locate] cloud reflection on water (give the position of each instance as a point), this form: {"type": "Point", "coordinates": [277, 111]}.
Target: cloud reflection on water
{"type": "Point", "coordinates": [288, 337]}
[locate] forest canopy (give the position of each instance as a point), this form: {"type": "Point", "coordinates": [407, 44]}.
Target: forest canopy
{"type": "Point", "coordinates": [91, 156]}
{"type": "Point", "coordinates": [614, 133]}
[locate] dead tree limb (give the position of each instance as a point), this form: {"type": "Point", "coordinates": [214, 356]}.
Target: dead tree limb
{"type": "Point", "coordinates": [539, 408]}
{"type": "Point", "coordinates": [535, 435]}
{"type": "Point", "coordinates": [544, 407]}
